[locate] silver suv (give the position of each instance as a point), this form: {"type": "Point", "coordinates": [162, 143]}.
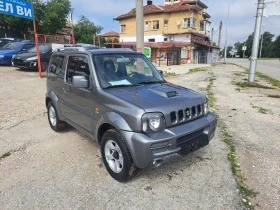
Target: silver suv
{"type": "Point", "coordinates": [119, 99]}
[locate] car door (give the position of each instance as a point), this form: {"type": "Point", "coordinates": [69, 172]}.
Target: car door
{"type": "Point", "coordinates": [78, 103]}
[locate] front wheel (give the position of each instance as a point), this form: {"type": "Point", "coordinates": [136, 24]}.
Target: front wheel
{"type": "Point", "coordinates": [55, 123]}
{"type": "Point", "coordinates": [116, 156]}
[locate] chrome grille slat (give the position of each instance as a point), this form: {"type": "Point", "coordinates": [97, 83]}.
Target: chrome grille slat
{"type": "Point", "coordinates": [187, 114]}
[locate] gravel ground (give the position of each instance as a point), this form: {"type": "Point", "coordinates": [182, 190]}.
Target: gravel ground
{"type": "Point", "coordinates": [41, 169]}
{"type": "Point", "coordinates": [255, 134]}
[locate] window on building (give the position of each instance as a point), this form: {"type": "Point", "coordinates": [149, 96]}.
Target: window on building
{"type": "Point", "coordinates": [165, 23]}
{"type": "Point", "coordinates": [151, 40]}
{"type": "Point", "coordinates": [165, 39]}
{"type": "Point", "coordinates": [147, 25]}
{"type": "Point", "coordinates": [189, 22]}
{"type": "Point", "coordinates": [155, 25]}
{"type": "Point", "coordinates": [201, 26]}
{"type": "Point", "coordinates": [123, 28]}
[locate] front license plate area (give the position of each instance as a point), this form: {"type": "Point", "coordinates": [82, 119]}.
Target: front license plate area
{"type": "Point", "coordinates": [193, 144]}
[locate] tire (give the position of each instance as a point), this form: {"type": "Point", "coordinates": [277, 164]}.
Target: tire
{"type": "Point", "coordinates": [55, 123]}
{"type": "Point", "coordinates": [116, 156]}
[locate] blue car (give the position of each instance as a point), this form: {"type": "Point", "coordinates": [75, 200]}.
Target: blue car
{"type": "Point", "coordinates": [12, 49]}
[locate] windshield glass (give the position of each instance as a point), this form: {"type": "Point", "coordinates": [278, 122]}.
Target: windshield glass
{"type": "Point", "coordinates": [42, 49]}
{"type": "Point", "coordinates": [115, 70]}
{"type": "Point", "coordinates": [14, 46]}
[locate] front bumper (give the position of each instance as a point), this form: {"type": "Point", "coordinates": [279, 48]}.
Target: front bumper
{"type": "Point", "coordinates": [181, 139]}
{"type": "Point", "coordinates": [5, 60]}
{"type": "Point", "coordinates": [23, 64]}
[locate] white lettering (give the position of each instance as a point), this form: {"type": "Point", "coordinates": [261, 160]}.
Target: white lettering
{"type": "Point", "coordinates": [27, 12]}
{"type": "Point", "coordinates": [9, 7]}
{"type": "Point", "coordinates": [1, 6]}
{"type": "Point", "coordinates": [20, 10]}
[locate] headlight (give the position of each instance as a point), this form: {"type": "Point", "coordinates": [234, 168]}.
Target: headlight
{"type": "Point", "coordinates": [153, 122]}
{"type": "Point", "coordinates": [32, 58]}
{"type": "Point", "coordinates": [206, 108]}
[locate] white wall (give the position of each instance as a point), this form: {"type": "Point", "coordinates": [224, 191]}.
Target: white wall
{"type": "Point", "coordinates": [158, 38]}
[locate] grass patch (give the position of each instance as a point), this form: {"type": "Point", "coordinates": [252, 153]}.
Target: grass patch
{"type": "Point", "coordinates": [169, 74]}
{"type": "Point", "coordinates": [238, 74]}
{"type": "Point", "coordinates": [274, 96]}
{"type": "Point", "coordinates": [245, 192]}
{"type": "Point", "coordinates": [272, 81]}
{"type": "Point", "coordinates": [194, 70]}
{"type": "Point", "coordinates": [238, 89]}
{"type": "Point", "coordinates": [262, 110]}
{"type": "Point", "coordinates": [252, 85]}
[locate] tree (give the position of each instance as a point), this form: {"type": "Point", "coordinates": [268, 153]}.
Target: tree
{"type": "Point", "coordinates": [85, 30]}
{"type": "Point", "coordinates": [50, 17]}
{"type": "Point", "coordinates": [275, 49]}
{"type": "Point", "coordinates": [249, 44]}
{"type": "Point", "coordinates": [56, 12]}
{"type": "Point", "coordinates": [267, 44]}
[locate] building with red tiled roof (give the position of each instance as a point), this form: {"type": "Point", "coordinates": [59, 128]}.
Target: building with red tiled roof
{"type": "Point", "coordinates": [111, 34]}
{"type": "Point", "coordinates": [183, 24]}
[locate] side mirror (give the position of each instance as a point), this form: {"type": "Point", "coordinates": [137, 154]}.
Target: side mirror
{"type": "Point", "coordinates": [80, 81]}
{"type": "Point", "coordinates": [23, 50]}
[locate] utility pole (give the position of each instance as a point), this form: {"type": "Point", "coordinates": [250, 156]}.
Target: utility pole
{"type": "Point", "coordinates": [212, 35]}
{"type": "Point", "coordinates": [225, 55]}
{"type": "Point", "coordinates": [220, 33]}
{"type": "Point", "coordinates": [254, 55]}
{"type": "Point", "coordinates": [139, 26]}
{"type": "Point", "coordinates": [260, 54]}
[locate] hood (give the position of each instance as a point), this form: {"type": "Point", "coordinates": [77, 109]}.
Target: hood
{"type": "Point", "coordinates": [25, 55]}
{"type": "Point", "coordinates": [8, 52]}
{"type": "Point", "coordinates": [165, 97]}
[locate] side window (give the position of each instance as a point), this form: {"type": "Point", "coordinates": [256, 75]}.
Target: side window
{"type": "Point", "coordinates": [56, 66]}
{"type": "Point", "coordinates": [77, 65]}
{"type": "Point", "coordinates": [27, 47]}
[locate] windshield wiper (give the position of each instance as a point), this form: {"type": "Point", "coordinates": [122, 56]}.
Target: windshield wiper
{"type": "Point", "coordinates": [150, 82]}
{"type": "Point", "coordinates": [115, 86]}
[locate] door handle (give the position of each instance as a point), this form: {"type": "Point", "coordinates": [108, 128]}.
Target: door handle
{"type": "Point", "coordinates": [66, 90]}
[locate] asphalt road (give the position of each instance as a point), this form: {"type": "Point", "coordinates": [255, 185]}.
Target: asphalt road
{"type": "Point", "coordinates": [268, 67]}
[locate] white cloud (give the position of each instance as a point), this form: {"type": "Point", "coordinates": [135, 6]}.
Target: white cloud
{"type": "Point", "coordinates": [240, 23]}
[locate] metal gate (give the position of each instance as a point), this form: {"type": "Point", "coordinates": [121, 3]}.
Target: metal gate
{"type": "Point", "coordinates": [202, 56]}
{"type": "Point", "coordinates": [173, 55]}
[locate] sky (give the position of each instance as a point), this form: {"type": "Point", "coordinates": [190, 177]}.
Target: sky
{"type": "Point", "coordinates": [241, 19]}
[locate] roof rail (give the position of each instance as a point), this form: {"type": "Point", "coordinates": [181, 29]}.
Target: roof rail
{"type": "Point", "coordinates": [80, 49]}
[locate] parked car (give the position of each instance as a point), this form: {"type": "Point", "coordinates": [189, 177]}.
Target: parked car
{"type": "Point", "coordinates": [118, 98]}
{"type": "Point", "coordinates": [6, 40]}
{"type": "Point", "coordinates": [11, 49]}
{"type": "Point", "coordinates": [29, 60]}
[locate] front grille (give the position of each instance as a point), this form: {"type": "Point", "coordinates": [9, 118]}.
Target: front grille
{"type": "Point", "coordinates": [18, 62]}
{"type": "Point", "coordinates": [186, 138]}
{"type": "Point", "coordinates": [187, 114]}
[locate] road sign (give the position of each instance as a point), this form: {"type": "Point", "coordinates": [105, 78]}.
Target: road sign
{"type": "Point", "coordinates": [244, 48]}
{"type": "Point", "coordinates": [17, 8]}
{"type": "Point", "coordinates": [147, 52]}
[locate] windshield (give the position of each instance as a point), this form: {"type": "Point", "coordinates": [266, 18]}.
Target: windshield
{"type": "Point", "coordinates": [115, 70]}
{"type": "Point", "coordinates": [42, 49]}
{"type": "Point", "coordinates": [14, 46]}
